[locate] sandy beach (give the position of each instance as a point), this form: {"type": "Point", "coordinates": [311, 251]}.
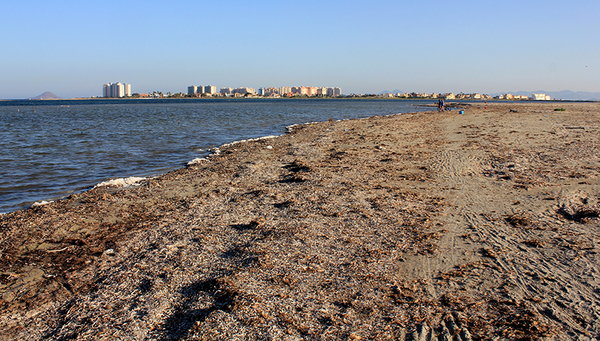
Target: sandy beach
{"type": "Point", "coordinates": [423, 226]}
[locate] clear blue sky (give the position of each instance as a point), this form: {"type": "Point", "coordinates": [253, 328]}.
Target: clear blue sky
{"type": "Point", "coordinates": [72, 48]}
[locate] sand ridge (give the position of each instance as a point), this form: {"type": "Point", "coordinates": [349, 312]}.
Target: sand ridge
{"type": "Point", "coordinates": [414, 226]}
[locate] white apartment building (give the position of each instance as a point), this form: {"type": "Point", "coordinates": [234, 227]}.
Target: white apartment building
{"type": "Point", "coordinates": [540, 97]}
{"type": "Point", "coordinates": [210, 89]}
{"type": "Point", "coordinates": [192, 90]}
{"type": "Point", "coordinates": [116, 90]}
{"type": "Point", "coordinates": [202, 89]}
{"type": "Point", "coordinates": [243, 91]}
{"type": "Point", "coordinates": [270, 91]}
{"type": "Point", "coordinates": [284, 90]}
{"type": "Point", "coordinates": [322, 91]}
{"type": "Point", "coordinates": [334, 92]}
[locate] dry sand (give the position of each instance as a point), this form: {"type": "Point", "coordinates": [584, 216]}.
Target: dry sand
{"type": "Point", "coordinates": [420, 226]}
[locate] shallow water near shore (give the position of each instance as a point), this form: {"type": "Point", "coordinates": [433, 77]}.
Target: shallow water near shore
{"type": "Point", "coordinates": [51, 149]}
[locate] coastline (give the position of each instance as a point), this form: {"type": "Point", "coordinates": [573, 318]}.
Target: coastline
{"type": "Point", "coordinates": [137, 155]}
{"type": "Point", "coordinates": [429, 223]}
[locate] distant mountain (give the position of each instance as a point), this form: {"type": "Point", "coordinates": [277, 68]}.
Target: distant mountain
{"type": "Point", "coordinates": [391, 92]}
{"type": "Point", "coordinates": [579, 95]}
{"type": "Point", "coordinates": [46, 95]}
{"type": "Point", "coordinates": [565, 94]}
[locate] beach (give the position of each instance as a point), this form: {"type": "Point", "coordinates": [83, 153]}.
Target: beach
{"type": "Point", "coordinates": [403, 227]}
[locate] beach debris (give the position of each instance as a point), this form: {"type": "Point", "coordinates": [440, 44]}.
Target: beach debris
{"type": "Point", "coordinates": [196, 161]}
{"type": "Point", "coordinates": [122, 182]}
{"type": "Point", "coordinates": [298, 166]}
{"type": "Point", "coordinates": [489, 252]}
{"type": "Point", "coordinates": [297, 170]}
{"type": "Point", "coordinates": [579, 213]}
{"type": "Point", "coordinates": [534, 243]}
{"type": "Point", "coordinates": [59, 250]}
{"type": "Point", "coordinates": [579, 207]}
{"type": "Point", "coordinates": [519, 219]}
{"type": "Point", "coordinates": [41, 203]}
{"type": "Point", "coordinates": [110, 252]}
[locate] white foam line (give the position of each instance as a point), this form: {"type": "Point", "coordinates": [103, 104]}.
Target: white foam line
{"type": "Point", "coordinates": [250, 140]}
{"type": "Point", "coordinates": [41, 203]}
{"type": "Point", "coordinates": [122, 182]}
{"type": "Point", "coordinates": [196, 161]}
{"type": "Point", "coordinates": [290, 128]}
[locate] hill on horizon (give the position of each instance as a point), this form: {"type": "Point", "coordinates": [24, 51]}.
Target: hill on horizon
{"type": "Point", "coordinates": [395, 91]}
{"type": "Point", "coordinates": [46, 95]}
{"type": "Point", "coordinates": [564, 94]}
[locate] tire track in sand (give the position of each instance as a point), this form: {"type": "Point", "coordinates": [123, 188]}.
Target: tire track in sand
{"type": "Point", "coordinates": [558, 284]}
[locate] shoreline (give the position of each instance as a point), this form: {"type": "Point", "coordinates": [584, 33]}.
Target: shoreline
{"type": "Point", "coordinates": [116, 181]}
{"type": "Point", "coordinates": [428, 224]}
{"type": "Point", "coordinates": [166, 162]}
{"type": "Point", "coordinates": [134, 100]}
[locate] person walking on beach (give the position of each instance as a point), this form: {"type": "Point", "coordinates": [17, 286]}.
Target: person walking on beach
{"type": "Point", "coordinates": [441, 105]}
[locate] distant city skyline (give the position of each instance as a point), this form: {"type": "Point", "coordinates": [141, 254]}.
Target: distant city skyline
{"type": "Point", "coordinates": [195, 90]}
{"type": "Point", "coordinates": [433, 46]}
{"type": "Point", "coordinates": [330, 92]}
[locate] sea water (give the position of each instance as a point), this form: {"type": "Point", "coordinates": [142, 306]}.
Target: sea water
{"type": "Point", "coordinates": [51, 149]}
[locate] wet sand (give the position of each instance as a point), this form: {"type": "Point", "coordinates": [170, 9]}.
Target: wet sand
{"type": "Point", "coordinates": [413, 226]}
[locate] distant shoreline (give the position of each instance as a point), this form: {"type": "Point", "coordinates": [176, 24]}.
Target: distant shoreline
{"type": "Point", "coordinates": [94, 100]}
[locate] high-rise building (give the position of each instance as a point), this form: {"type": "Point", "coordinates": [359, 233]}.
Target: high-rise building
{"type": "Point", "coordinates": [243, 91]}
{"type": "Point", "coordinates": [270, 91]}
{"type": "Point", "coordinates": [202, 89]}
{"type": "Point", "coordinates": [210, 89]}
{"type": "Point", "coordinates": [334, 92]}
{"type": "Point", "coordinates": [311, 91]}
{"type": "Point", "coordinates": [116, 90]}
{"type": "Point", "coordinates": [284, 90]}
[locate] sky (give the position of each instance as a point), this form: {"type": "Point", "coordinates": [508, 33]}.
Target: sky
{"type": "Point", "coordinates": [72, 48]}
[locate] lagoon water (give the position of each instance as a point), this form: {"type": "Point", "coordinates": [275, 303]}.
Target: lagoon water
{"type": "Point", "coordinates": [51, 149]}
